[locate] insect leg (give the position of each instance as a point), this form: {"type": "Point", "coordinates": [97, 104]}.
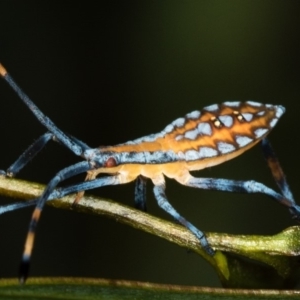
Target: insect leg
{"type": "Point", "coordinates": [160, 195]}
{"type": "Point", "coordinates": [28, 155]}
{"type": "Point", "coordinates": [80, 143]}
{"type": "Point", "coordinates": [249, 186]}
{"type": "Point", "coordinates": [60, 176]}
{"type": "Point", "coordinates": [140, 193]}
{"type": "Point", "coordinates": [63, 191]}
{"type": "Point", "coordinates": [276, 170]}
{"type": "Point", "coordinates": [44, 120]}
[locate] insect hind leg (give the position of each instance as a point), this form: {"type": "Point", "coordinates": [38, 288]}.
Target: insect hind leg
{"type": "Point", "coordinates": [250, 186]}
{"type": "Point", "coordinates": [160, 195]}
{"type": "Point", "coordinates": [276, 169]}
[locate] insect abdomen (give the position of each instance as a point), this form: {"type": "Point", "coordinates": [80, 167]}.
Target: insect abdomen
{"type": "Point", "coordinates": [216, 133]}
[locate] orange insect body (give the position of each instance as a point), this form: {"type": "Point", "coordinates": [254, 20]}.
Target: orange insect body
{"type": "Point", "coordinates": [200, 139]}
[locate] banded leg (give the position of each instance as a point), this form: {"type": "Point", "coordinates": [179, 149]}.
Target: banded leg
{"type": "Point", "coordinates": [276, 170]}
{"type": "Point", "coordinates": [160, 195]}
{"type": "Point", "coordinates": [249, 186]}
{"type": "Point", "coordinates": [140, 193]}
{"type": "Point", "coordinates": [60, 176]}
{"type": "Point", "coordinates": [44, 120]}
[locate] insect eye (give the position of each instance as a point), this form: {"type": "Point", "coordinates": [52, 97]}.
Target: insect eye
{"type": "Point", "coordinates": [217, 123]}
{"type": "Point", "coordinates": [110, 163]}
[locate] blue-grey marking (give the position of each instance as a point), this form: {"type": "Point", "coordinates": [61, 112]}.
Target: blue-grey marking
{"type": "Point", "coordinates": [247, 116]}
{"type": "Point", "coordinates": [191, 134]}
{"type": "Point", "coordinates": [169, 128]}
{"type": "Point", "coordinates": [193, 115]}
{"type": "Point", "coordinates": [147, 138]}
{"type": "Point", "coordinates": [273, 122]}
{"type": "Point", "coordinates": [207, 152]}
{"type": "Point", "coordinates": [232, 104]}
{"type": "Point", "coordinates": [146, 157]}
{"type": "Point", "coordinates": [179, 122]}
{"type": "Point", "coordinates": [213, 107]}
{"type": "Point", "coordinates": [253, 103]}
{"type": "Point", "coordinates": [280, 111]}
{"type": "Point", "coordinates": [151, 137]}
{"type": "Point", "coordinates": [243, 140]}
{"type": "Point", "coordinates": [192, 155]}
{"type": "Point", "coordinates": [204, 129]}
{"type": "Point", "coordinates": [260, 132]}
{"type": "Point", "coordinates": [225, 147]}
{"type": "Point", "coordinates": [226, 120]}
{"type": "Point", "coordinates": [261, 113]}
{"type": "Point", "coordinates": [179, 137]}
{"type": "Point", "coordinates": [181, 155]}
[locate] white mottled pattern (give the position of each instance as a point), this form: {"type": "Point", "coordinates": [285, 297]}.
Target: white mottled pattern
{"type": "Point", "coordinates": [194, 114]}
{"type": "Point", "coordinates": [192, 155]}
{"type": "Point", "coordinates": [128, 157]}
{"type": "Point", "coordinates": [225, 147]}
{"type": "Point", "coordinates": [213, 107]}
{"type": "Point", "coordinates": [179, 137]}
{"type": "Point", "coordinates": [207, 152]}
{"type": "Point", "coordinates": [181, 155]}
{"type": "Point", "coordinates": [179, 122]}
{"type": "Point", "coordinates": [153, 137]}
{"type": "Point", "coordinates": [191, 134]}
{"type": "Point", "coordinates": [260, 132]}
{"type": "Point", "coordinates": [232, 103]}
{"type": "Point", "coordinates": [243, 140]}
{"type": "Point", "coordinates": [130, 143]}
{"type": "Point", "coordinates": [273, 122]}
{"type": "Point", "coordinates": [204, 128]}
{"type": "Point", "coordinates": [150, 138]}
{"type": "Point", "coordinates": [169, 128]}
{"type": "Point", "coordinates": [134, 142]}
{"type": "Point", "coordinates": [226, 120]}
{"type": "Point", "coordinates": [261, 113]}
{"type": "Point", "coordinates": [280, 110]}
{"type": "Point", "coordinates": [247, 116]}
{"type": "Point", "coordinates": [151, 157]}
{"type": "Point", "coordinates": [253, 103]}
{"type": "Point", "coordinates": [147, 138]}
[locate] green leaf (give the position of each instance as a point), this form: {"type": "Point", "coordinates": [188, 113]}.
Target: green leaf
{"type": "Point", "coordinates": [88, 289]}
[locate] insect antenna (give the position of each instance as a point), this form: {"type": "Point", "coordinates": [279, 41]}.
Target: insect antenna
{"type": "Point", "coordinates": [62, 137]}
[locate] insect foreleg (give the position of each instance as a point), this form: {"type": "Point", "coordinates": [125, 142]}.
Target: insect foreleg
{"type": "Point", "coordinates": [84, 186]}
{"type": "Point", "coordinates": [160, 195]}
{"type": "Point", "coordinates": [140, 193]}
{"type": "Point", "coordinates": [60, 176]}
{"type": "Point", "coordinates": [28, 155]}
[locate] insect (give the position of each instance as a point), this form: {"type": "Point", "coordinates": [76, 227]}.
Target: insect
{"type": "Point", "coordinates": [199, 140]}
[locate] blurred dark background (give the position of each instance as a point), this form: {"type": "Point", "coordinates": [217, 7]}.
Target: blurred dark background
{"type": "Point", "coordinates": [111, 71]}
